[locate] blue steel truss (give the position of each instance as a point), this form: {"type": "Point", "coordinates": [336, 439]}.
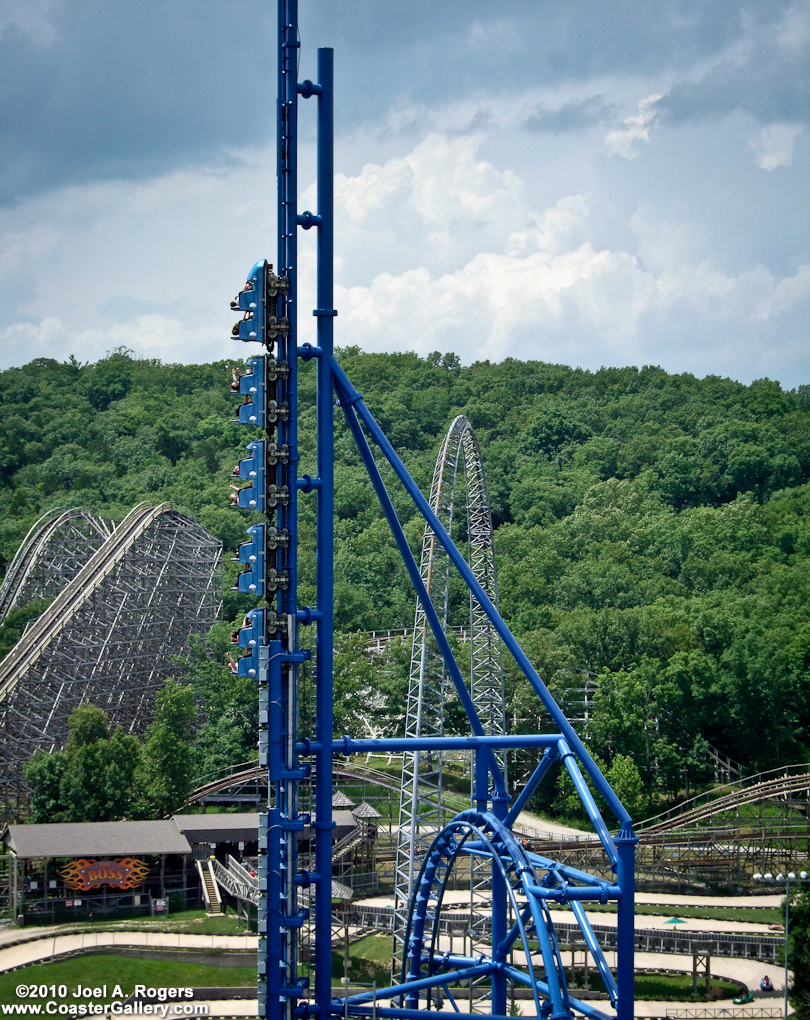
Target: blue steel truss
{"type": "Point", "coordinates": [524, 948]}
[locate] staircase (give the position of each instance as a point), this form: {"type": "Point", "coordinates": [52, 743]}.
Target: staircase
{"type": "Point", "coordinates": [236, 880]}
{"type": "Point", "coordinates": [213, 904]}
{"type": "Point", "coordinates": [348, 843]}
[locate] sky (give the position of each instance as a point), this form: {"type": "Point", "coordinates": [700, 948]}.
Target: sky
{"type": "Point", "coordinates": [584, 183]}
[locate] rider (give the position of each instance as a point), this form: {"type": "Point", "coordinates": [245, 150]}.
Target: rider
{"type": "Point", "coordinates": [766, 984]}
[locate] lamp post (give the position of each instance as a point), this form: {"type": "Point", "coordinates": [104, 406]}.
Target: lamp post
{"type": "Point", "coordinates": [786, 879]}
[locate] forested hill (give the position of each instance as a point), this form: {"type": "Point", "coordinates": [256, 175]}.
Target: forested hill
{"type": "Point", "coordinates": [652, 528]}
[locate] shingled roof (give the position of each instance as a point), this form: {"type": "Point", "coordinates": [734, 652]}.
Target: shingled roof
{"type": "Point", "coordinates": [365, 810]}
{"type": "Point", "coordinates": [240, 827]}
{"type": "Point", "coordinates": [95, 839]}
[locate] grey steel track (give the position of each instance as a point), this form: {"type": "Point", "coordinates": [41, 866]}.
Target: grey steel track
{"type": "Point", "coordinates": [109, 636]}
{"type": "Point", "coordinates": [420, 811]}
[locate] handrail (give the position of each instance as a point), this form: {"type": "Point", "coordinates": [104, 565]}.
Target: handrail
{"type": "Point", "coordinates": [233, 883]}
{"type": "Point", "coordinates": [203, 869]}
{"type": "Point", "coordinates": [241, 872]}
{"type": "Point", "coordinates": [354, 836]}
{"type": "Point", "coordinates": [30, 647]}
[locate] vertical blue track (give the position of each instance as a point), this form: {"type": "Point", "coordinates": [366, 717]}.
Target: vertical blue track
{"type": "Point", "coordinates": [522, 884]}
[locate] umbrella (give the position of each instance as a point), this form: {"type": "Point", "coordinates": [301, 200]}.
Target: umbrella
{"type": "Point", "coordinates": [675, 920]}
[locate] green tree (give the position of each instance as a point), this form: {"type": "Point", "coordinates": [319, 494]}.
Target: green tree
{"type": "Point", "coordinates": [44, 774]}
{"type": "Point", "coordinates": [167, 764]}
{"type": "Point", "coordinates": [86, 726]}
{"type": "Point", "coordinates": [626, 782]}
{"type": "Point", "coordinates": [800, 952]}
{"type": "Point", "coordinates": [92, 780]}
{"type": "Point", "coordinates": [99, 782]}
{"type": "Point", "coordinates": [653, 535]}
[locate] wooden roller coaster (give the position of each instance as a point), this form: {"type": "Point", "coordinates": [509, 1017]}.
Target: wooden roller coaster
{"type": "Point", "coordinates": [718, 840]}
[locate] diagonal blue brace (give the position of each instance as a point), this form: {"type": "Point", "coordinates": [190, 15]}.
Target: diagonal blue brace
{"type": "Point", "coordinates": [419, 584]}
{"type": "Point", "coordinates": [348, 393]}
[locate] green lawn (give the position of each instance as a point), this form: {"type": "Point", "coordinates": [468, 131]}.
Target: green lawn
{"type": "Point", "coordinates": [369, 961]}
{"type": "Point", "coordinates": [678, 987]}
{"type": "Point", "coordinates": [126, 971]}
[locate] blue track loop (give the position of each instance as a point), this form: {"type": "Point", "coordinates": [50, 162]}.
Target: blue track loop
{"type": "Point", "coordinates": [474, 833]}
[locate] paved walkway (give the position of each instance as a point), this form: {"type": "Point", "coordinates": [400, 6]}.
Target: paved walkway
{"type": "Point", "coordinates": [19, 948]}
{"type": "Point", "coordinates": [41, 949]}
{"type": "Point", "coordinates": [710, 901]}
{"type": "Point", "coordinates": [527, 822]}
{"type": "Point", "coordinates": [657, 922]}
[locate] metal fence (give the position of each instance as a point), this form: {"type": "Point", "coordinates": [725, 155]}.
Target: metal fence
{"type": "Point", "coordinates": [731, 945]}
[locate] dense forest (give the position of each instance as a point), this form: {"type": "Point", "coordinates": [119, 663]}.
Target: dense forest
{"type": "Point", "coordinates": [653, 537]}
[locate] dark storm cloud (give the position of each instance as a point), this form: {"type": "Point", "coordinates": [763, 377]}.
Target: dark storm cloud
{"type": "Point", "coordinates": [771, 82]}
{"type": "Point", "coordinates": [429, 51]}
{"type": "Point", "coordinates": [130, 88]}
{"type": "Point", "coordinates": [127, 89]}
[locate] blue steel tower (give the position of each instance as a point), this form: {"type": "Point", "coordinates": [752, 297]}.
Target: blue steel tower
{"type": "Point", "coordinates": [524, 947]}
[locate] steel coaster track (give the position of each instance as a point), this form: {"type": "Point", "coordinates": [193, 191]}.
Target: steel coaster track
{"type": "Point", "coordinates": [273, 655]}
{"type": "Point", "coordinates": [420, 808]}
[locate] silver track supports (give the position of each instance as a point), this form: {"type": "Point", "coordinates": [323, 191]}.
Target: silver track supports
{"type": "Point", "coordinates": [420, 811]}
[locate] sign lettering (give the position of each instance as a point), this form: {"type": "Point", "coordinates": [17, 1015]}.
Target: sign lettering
{"type": "Point", "coordinates": [122, 873]}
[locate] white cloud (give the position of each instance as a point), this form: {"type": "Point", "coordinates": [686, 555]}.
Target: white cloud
{"type": "Point", "coordinates": [794, 32]}
{"type": "Point", "coordinates": [28, 340]}
{"type": "Point", "coordinates": [443, 245]}
{"type": "Point", "coordinates": [30, 17]}
{"type": "Point", "coordinates": [151, 266]}
{"type": "Point", "coordinates": [541, 288]}
{"type": "Point", "coordinates": [636, 129]}
{"type": "Point", "coordinates": [149, 336]}
{"type": "Point", "coordinates": [20, 250]}
{"type": "Point", "coordinates": [557, 228]}
{"type": "Point", "coordinates": [786, 295]}
{"type": "Point", "coordinates": [773, 146]}
{"type": "Point", "coordinates": [441, 189]}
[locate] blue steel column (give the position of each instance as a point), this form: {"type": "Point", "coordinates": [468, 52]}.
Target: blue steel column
{"type": "Point", "coordinates": [324, 541]}
{"type": "Point", "coordinates": [500, 806]}
{"type": "Point", "coordinates": [283, 820]}
{"type": "Point", "coordinates": [625, 922]}
{"type": "Point", "coordinates": [287, 227]}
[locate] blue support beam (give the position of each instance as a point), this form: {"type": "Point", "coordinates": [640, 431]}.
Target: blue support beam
{"type": "Point", "coordinates": [350, 395]}
{"type": "Point", "coordinates": [416, 578]}
{"type": "Point", "coordinates": [269, 638]}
